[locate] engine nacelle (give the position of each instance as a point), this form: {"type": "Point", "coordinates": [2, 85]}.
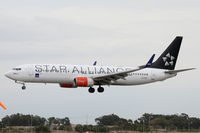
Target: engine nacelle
{"type": "Point", "coordinates": [66, 85]}
{"type": "Point", "coordinates": [83, 82]}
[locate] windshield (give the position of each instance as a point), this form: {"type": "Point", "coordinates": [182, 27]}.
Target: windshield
{"type": "Point", "coordinates": [17, 69]}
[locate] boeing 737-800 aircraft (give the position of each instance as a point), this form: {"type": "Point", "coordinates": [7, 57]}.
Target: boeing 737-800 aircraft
{"type": "Point", "coordinates": [72, 76]}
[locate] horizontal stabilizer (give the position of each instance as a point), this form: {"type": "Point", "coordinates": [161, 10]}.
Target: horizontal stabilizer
{"type": "Point", "coordinates": [177, 71]}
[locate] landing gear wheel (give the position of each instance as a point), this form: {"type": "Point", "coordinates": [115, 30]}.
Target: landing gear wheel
{"type": "Point", "coordinates": [100, 89]}
{"type": "Point", "coordinates": [91, 90]}
{"type": "Point", "coordinates": [23, 87]}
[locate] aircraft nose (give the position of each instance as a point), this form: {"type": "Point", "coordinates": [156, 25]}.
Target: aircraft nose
{"type": "Point", "coordinates": [8, 74]}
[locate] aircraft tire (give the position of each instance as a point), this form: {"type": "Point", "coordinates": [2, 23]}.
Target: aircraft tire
{"type": "Point", "coordinates": [91, 90]}
{"type": "Point", "coordinates": [100, 89]}
{"type": "Point", "coordinates": [23, 87]}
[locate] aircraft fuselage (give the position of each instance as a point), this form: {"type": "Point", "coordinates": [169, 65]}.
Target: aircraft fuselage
{"type": "Point", "coordinates": [59, 73]}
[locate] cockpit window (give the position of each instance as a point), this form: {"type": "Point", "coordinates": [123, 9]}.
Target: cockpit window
{"type": "Point", "coordinates": [17, 69]}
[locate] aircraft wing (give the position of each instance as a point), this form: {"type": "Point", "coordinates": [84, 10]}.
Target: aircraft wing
{"type": "Point", "coordinates": [106, 79]}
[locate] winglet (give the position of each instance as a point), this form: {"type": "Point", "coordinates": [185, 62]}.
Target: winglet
{"type": "Point", "coordinates": [95, 63]}
{"type": "Point", "coordinates": [150, 61]}
{"type": "Point", "coordinates": [1, 104]}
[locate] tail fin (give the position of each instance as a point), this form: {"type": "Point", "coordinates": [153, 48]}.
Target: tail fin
{"type": "Point", "coordinates": [168, 58]}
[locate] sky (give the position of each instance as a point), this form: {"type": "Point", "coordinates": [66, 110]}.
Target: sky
{"type": "Point", "coordinates": [113, 32]}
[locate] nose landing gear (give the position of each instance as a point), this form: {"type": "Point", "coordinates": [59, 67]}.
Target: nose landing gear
{"type": "Point", "coordinates": [23, 87]}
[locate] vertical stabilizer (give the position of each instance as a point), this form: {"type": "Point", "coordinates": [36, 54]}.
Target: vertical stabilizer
{"type": "Point", "coordinates": [168, 58]}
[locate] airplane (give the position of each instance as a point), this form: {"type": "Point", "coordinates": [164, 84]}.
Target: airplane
{"type": "Point", "coordinates": [73, 76]}
{"type": "Point", "coordinates": [4, 107]}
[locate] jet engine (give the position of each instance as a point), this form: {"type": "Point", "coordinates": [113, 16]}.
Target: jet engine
{"type": "Point", "coordinates": [83, 82]}
{"type": "Point", "coordinates": [66, 85]}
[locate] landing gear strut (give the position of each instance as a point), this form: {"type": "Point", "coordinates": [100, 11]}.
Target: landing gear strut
{"type": "Point", "coordinates": [23, 87]}
{"type": "Point", "coordinates": [91, 90]}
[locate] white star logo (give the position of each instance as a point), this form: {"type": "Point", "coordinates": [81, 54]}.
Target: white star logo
{"type": "Point", "coordinates": [168, 60]}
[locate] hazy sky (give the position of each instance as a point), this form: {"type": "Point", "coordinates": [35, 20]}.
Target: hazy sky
{"type": "Point", "coordinates": [113, 32]}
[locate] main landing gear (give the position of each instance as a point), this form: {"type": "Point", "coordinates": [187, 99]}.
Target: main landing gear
{"type": "Point", "coordinates": [91, 90]}
{"type": "Point", "coordinates": [99, 89]}
{"type": "Point", "coordinates": [23, 84]}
